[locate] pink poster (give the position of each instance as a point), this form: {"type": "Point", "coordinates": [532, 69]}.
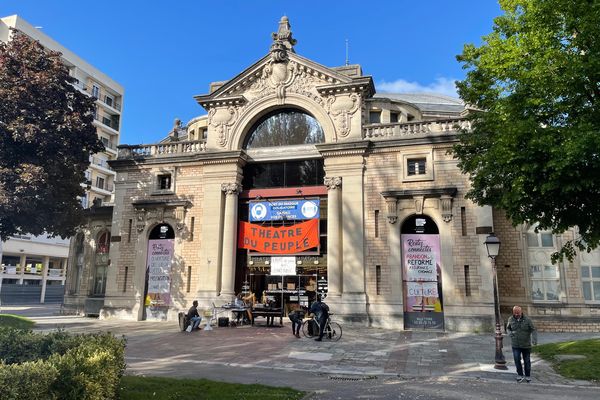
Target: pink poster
{"type": "Point", "coordinates": [422, 281]}
{"type": "Point", "coordinates": [160, 255]}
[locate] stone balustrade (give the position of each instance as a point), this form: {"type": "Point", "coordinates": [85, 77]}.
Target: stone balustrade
{"type": "Point", "coordinates": [404, 129]}
{"type": "Point", "coordinates": [162, 149]}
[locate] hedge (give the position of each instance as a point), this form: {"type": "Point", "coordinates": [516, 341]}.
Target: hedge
{"type": "Point", "coordinates": [60, 365]}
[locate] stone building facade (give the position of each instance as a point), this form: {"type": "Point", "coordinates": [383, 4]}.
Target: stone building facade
{"type": "Point", "coordinates": [398, 244]}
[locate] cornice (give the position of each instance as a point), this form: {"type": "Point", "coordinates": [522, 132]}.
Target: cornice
{"type": "Point", "coordinates": [343, 148]}
{"type": "Point", "coordinates": [431, 192]}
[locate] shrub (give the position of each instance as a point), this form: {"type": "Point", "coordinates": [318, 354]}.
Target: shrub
{"type": "Point", "coordinates": [77, 367]}
{"type": "Point", "coordinates": [29, 380]}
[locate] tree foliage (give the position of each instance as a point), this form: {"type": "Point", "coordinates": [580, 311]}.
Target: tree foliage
{"type": "Point", "coordinates": [46, 138]}
{"type": "Point", "coordinates": [534, 150]}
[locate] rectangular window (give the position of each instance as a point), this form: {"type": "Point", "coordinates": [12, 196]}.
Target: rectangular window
{"type": "Point", "coordinates": [125, 279]}
{"type": "Point", "coordinates": [416, 166]}
{"type": "Point", "coordinates": [129, 231]}
{"type": "Point", "coordinates": [467, 281]}
{"type": "Point", "coordinates": [374, 117]}
{"type": "Point", "coordinates": [100, 182]}
{"type": "Point", "coordinates": [189, 279]}
{"type": "Point", "coordinates": [590, 280]}
{"type": "Point", "coordinates": [376, 223]}
{"type": "Point", "coordinates": [378, 279]}
{"type": "Point", "coordinates": [95, 91]}
{"type": "Point", "coordinates": [108, 100]}
{"type": "Point", "coordinates": [463, 221]}
{"type": "Point", "coordinates": [164, 182]}
{"type": "Point", "coordinates": [393, 117]}
{"type": "Point", "coordinates": [542, 239]}
{"type": "Point", "coordinates": [545, 284]}
{"type": "Point", "coordinates": [192, 222]}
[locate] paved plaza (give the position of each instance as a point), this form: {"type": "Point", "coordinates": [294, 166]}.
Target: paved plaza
{"type": "Point", "coordinates": [271, 355]}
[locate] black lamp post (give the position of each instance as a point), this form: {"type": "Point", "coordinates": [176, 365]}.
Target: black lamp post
{"type": "Point", "coordinates": [492, 244]}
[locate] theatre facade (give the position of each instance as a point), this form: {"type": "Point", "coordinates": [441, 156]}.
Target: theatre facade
{"type": "Point", "coordinates": [302, 182]}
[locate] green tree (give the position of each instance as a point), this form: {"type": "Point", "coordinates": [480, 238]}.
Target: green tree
{"type": "Point", "coordinates": [46, 138]}
{"type": "Point", "coordinates": [534, 149]}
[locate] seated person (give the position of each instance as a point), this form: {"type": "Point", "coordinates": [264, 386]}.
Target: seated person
{"type": "Point", "coordinates": [250, 300]}
{"type": "Point", "coordinates": [239, 309]}
{"type": "Point", "coordinates": [296, 316]}
{"type": "Point", "coordinates": [193, 315]}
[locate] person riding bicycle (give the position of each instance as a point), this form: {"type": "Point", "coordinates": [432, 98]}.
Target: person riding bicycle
{"type": "Point", "coordinates": [321, 313]}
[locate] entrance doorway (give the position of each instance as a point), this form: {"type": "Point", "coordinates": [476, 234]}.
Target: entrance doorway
{"type": "Point", "coordinates": [157, 292]}
{"type": "Point", "coordinates": [422, 274]}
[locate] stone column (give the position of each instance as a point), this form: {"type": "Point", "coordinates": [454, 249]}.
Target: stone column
{"type": "Point", "coordinates": [334, 229]}
{"type": "Point", "coordinates": [22, 261]}
{"type": "Point", "coordinates": [231, 190]}
{"type": "Point", "coordinates": [45, 264]}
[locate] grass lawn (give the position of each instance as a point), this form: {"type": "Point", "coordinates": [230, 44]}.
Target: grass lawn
{"type": "Point", "coordinates": [588, 368]}
{"type": "Point", "coordinates": [15, 321]}
{"type": "Point", "coordinates": [143, 388]}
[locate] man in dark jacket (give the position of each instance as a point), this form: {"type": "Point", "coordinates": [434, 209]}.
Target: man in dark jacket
{"type": "Point", "coordinates": [321, 312]}
{"type": "Point", "coordinates": [522, 335]}
{"type": "Point", "coordinates": [193, 315]}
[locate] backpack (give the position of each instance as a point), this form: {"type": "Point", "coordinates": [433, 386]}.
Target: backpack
{"type": "Point", "coordinates": [325, 307]}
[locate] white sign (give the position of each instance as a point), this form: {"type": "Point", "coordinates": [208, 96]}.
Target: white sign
{"type": "Point", "coordinates": [283, 265]}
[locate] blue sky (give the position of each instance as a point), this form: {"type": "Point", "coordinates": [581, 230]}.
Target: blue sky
{"type": "Point", "coordinates": [165, 52]}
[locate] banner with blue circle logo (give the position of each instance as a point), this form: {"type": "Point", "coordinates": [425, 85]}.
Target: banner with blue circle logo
{"type": "Point", "coordinates": [288, 210]}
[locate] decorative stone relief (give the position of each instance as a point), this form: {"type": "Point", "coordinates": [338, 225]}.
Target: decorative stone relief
{"type": "Point", "coordinates": [157, 214]}
{"type": "Point", "coordinates": [419, 203]}
{"type": "Point", "coordinates": [180, 217]}
{"type": "Point", "coordinates": [446, 202]}
{"type": "Point", "coordinates": [231, 188]}
{"type": "Point", "coordinates": [333, 182]}
{"type": "Point", "coordinates": [392, 209]}
{"type": "Point", "coordinates": [140, 219]}
{"type": "Point", "coordinates": [222, 119]}
{"type": "Point", "coordinates": [342, 108]}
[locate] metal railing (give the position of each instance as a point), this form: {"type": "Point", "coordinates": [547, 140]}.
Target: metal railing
{"type": "Point", "coordinates": [107, 186]}
{"type": "Point", "coordinates": [107, 119]}
{"type": "Point", "coordinates": [100, 162]}
{"type": "Point", "coordinates": [102, 95]}
{"type": "Point", "coordinates": [153, 150]}
{"type": "Point", "coordinates": [404, 129]}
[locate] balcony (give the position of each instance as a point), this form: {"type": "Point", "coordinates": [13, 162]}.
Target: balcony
{"type": "Point", "coordinates": [105, 188]}
{"type": "Point", "coordinates": [162, 149]}
{"type": "Point", "coordinates": [101, 95]}
{"type": "Point", "coordinates": [111, 121]}
{"type": "Point", "coordinates": [101, 164]}
{"type": "Point", "coordinates": [412, 129]}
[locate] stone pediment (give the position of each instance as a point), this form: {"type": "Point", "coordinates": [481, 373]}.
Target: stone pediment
{"type": "Point", "coordinates": [294, 74]}
{"type": "Point", "coordinates": [283, 78]}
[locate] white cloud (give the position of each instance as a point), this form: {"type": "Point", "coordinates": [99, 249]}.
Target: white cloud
{"type": "Point", "coordinates": [440, 85]}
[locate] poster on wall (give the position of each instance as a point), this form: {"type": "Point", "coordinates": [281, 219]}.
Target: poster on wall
{"type": "Point", "coordinates": [423, 306]}
{"type": "Point", "coordinates": [158, 299]}
{"type": "Point", "coordinates": [283, 265]}
{"type": "Point", "coordinates": [290, 210]}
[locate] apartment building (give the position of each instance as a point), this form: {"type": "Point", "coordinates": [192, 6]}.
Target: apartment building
{"type": "Point", "coordinates": [34, 268]}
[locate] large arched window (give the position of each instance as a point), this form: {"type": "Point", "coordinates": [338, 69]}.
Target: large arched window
{"type": "Point", "coordinates": [284, 127]}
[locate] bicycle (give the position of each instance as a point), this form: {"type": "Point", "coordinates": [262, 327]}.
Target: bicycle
{"type": "Point", "coordinates": [332, 331]}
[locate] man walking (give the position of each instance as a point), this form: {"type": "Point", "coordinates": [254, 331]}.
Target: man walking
{"type": "Point", "coordinates": [522, 335]}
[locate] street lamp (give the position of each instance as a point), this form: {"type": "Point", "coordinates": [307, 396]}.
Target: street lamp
{"type": "Point", "coordinates": [492, 244]}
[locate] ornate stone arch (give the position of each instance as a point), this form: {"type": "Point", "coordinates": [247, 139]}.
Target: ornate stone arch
{"type": "Point", "coordinates": [272, 103]}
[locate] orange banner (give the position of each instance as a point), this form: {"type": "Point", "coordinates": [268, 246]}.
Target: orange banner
{"type": "Point", "coordinates": [281, 240]}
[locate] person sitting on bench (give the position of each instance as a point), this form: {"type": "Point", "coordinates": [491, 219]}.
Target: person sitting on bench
{"type": "Point", "coordinates": [193, 315]}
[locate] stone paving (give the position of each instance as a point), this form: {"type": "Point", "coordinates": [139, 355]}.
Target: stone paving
{"type": "Point", "coordinates": [159, 348]}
